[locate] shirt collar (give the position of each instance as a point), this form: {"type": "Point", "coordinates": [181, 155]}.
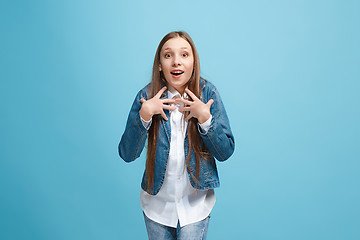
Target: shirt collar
{"type": "Point", "coordinates": [172, 92]}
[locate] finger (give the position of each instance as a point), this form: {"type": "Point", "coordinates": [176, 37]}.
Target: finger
{"type": "Point", "coordinates": [210, 102]}
{"type": "Point", "coordinates": [184, 109]}
{"type": "Point", "coordinates": [160, 92]}
{"type": "Point", "coordinates": [172, 108]}
{"type": "Point", "coordinates": [142, 100]}
{"type": "Point", "coordinates": [187, 102]}
{"type": "Point", "coordinates": [163, 115]}
{"type": "Point", "coordinates": [168, 100]}
{"type": "Point", "coordinates": [188, 117]}
{"type": "Point", "coordinates": [191, 94]}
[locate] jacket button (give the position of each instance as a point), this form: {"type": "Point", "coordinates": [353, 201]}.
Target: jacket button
{"type": "Point", "coordinates": [191, 169]}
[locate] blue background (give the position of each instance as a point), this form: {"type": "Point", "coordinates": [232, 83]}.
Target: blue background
{"type": "Point", "coordinates": [288, 73]}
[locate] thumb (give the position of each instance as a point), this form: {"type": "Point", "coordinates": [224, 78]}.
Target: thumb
{"type": "Point", "coordinates": [210, 102]}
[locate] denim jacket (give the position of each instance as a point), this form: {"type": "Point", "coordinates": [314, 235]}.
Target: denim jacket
{"type": "Point", "coordinates": [218, 139]}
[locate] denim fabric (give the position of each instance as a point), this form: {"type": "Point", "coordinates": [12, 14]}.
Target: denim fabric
{"type": "Point", "coordinates": [218, 139]}
{"type": "Point", "coordinates": [194, 231]}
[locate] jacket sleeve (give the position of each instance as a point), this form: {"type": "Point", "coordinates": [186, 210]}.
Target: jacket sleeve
{"type": "Point", "coordinates": [219, 138]}
{"type": "Point", "coordinates": [133, 140]}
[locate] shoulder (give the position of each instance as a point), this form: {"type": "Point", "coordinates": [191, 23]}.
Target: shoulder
{"type": "Point", "coordinates": [144, 92]}
{"type": "Point", "coordinates": [207, 88]}
{"type": "Point", "coordinates": [206, 85]}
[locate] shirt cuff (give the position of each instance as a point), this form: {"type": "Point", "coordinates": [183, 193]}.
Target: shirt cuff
{"type": "Point", "coordinates": [146, 124]}
{"type": "Point", "coordinates": [206, 125]}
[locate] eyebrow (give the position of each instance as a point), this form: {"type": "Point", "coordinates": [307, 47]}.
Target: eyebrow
{"type": "Point", "coordinates": [180, 48]}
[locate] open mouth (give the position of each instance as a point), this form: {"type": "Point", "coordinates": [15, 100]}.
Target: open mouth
{"type": "Point", "coordinates": [177, 73]}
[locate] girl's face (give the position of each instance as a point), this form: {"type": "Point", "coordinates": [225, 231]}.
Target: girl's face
{"type": "Point", "coordinates": [177, 63]}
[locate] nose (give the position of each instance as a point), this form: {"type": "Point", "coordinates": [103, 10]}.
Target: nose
{"type": "Point", "coordinates": [176, 61]}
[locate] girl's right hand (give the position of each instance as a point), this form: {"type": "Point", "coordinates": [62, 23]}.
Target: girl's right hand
{"type": "Point", "coordinates": [155, 106]}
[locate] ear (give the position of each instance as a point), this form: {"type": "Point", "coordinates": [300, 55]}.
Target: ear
{"type": "Point", "coordinates": [160, 69]}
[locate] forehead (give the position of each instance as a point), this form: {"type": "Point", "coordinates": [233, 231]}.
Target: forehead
{"type": "Point", "coordinates": [177, 43]}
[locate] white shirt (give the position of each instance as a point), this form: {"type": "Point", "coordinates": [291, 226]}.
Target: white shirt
{"type": "Point", "coordinates": [177, 200]}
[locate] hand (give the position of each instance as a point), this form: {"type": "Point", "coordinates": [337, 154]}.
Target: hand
{"type": "Point", "coordinates": [197, 108]}
{"type": "Point", "coordinates": [155, 106]}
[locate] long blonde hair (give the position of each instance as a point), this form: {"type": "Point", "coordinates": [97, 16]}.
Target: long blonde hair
{"type": "Point", "coordinates": [195, 141]}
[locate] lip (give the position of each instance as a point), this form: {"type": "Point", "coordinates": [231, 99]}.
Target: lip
{"type": "Point", "coordinates": [177, 76]}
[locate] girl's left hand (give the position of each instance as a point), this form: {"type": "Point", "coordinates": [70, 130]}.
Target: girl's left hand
{"type": "Point", "coordinates": [197, 108]}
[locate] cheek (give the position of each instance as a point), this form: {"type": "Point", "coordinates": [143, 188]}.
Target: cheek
{"type": "Point", "coordinates": [190, 65]}
{"type": "Point", "coordinates": [165, 67]}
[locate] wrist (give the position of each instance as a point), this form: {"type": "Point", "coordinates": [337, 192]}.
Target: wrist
{"type": "Point", "coordinates": [204, 118]}
{"type": "Point", "coordinates": [147, 116]}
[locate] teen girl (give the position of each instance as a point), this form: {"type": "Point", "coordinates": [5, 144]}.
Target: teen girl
{"type": "Point", "coordinates": [186, 124]}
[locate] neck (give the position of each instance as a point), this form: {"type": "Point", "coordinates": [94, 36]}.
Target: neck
{"type": "Point", "coordinates": [180, 90]}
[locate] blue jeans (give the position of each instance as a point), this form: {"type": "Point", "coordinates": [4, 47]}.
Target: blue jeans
{"type": "Point", "coordinates": [194, 231]}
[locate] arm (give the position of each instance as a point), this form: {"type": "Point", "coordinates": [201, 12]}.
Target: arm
{"type": "Point", "coordinates": [219, 138]}
{"type": "Point", "coordinates": [133, 140]}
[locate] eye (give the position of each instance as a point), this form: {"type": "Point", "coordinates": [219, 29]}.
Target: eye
{"type": "Point", "coordinates": [167, 55]}
{"type": "Point", "coordinates": [185, 54]}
